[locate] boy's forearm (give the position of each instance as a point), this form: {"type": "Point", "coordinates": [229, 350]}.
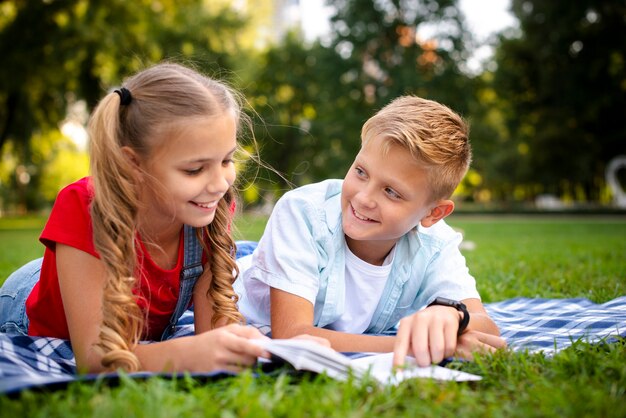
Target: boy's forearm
{"type": "Point", "coordinates": [341, 341]}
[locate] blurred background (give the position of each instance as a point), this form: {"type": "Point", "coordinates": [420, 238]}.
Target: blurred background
{"type": "Point", "coordinates": [542, 83]}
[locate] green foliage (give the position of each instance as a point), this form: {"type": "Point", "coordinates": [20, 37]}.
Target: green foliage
{"type": "Point", "coordinates": [64, 165]}
{"type": "Point", "coordinates": [562, 80]}
{"type": "Point", "coordinates": [77, 49]}
{"type": "Point", "coordinates": [556, 84]}
{"type": "Point", "coordinates": [314, 99]}
{"type": "Point", "coordinates": [303, 114]}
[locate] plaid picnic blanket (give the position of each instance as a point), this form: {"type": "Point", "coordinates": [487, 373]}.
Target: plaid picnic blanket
{"type": "Point", "coordinates": [547, 325]}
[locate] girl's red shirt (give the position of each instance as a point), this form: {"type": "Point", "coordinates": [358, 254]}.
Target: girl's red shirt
{"type": "Point", "coordinates": [70, 224]}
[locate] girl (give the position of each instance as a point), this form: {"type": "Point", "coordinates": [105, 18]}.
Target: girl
{"type": "Point", "coordinates": [125, 245]}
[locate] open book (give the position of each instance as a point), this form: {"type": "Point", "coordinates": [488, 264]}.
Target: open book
{"type": "Point", "coordinates": [307, 355]}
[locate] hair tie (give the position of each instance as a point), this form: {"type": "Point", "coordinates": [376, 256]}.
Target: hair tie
{"type": "Point", "coordinates": [125, 97]}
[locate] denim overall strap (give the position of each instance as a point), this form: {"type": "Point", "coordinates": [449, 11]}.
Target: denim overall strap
{"type": "Point", "coordinates": [192, 269]}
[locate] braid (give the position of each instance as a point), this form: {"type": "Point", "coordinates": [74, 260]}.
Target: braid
{"type": "Point", "coordinates": [222, 264]}
{"type": "Point", "coordinates": [113, 213]}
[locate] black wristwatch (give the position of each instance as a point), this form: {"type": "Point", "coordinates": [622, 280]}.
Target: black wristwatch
{"type": "Point", "coordinates": [459, 306]}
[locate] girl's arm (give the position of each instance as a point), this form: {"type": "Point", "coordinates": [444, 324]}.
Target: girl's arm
{"type": "Point", "coordinates": [81, 280]}
{"type": "Point", "coordinates": [202, 303]}
{"type": "Point", "coordinates": [292, 315]}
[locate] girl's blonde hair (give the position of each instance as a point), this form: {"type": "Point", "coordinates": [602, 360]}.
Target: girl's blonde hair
{"type": "Point", "coordinates": [435, 136]}
{"type": "Point", "coordinates": [162, 95]}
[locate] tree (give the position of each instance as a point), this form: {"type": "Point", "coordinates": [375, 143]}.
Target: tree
{"type": "Point", "coordinates": [564, 79]}
{"type": "Point", "coordinates": [74, 49]}
{"type": "Point", "coordinates": [304, 110]}
{"type": "Point", "coordinates": [314, 99]}
{"type": "Point", "coordinates": [391, 57]}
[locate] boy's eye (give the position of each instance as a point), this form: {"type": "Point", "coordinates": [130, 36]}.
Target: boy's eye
{"type": "Point", "coordinates": [359, 171]}
{"type": "Point", "coordinates": [392, 193]}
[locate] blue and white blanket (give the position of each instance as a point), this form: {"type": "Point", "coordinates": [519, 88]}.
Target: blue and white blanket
{"type": "Point", "coordinates": [547, 325]}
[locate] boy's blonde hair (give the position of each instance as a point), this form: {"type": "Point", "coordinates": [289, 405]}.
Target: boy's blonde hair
{"type": "Point", "coordinates": [436, 137]}
{"type": "Point", "coordinates": [164, 97]}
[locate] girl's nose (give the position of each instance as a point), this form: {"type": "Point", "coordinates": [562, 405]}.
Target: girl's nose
{"type": "Point", "coordinates": [221, 181]}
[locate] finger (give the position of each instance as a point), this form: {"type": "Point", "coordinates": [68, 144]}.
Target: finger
{"type": "Point", "coordinates": [492, 340]}
{"type": "Point", "coordinates": [466, 353]}
{"type": "Point", "coordinates": [233, 360]}
{"type": "Point", "coordinates": [242, 345]}
{"type": "Point", "coordinates": [420, 343]}
{"type": "Point", "coordinates": [451, 340]}
{"type": "Point", "coordinates": [402, 341]}
{"type": "Point", "coordinates": [436, 342]}
{"type": "Point", "coordinates": [243, 335]}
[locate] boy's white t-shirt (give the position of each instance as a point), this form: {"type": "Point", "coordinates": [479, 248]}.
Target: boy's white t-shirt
{"type": "Point", "coordinates": [364, 284]}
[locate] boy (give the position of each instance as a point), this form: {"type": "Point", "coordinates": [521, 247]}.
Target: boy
{"type": "Point", "coordinates": [347, 260]}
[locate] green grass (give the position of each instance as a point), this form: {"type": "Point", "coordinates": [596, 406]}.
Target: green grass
{"type": "Point", "coordinates": [533, 257]}
{"type": "Point", "coordinates": [550, 257]}
{"type": "Point", "coordinates": [19, 242]}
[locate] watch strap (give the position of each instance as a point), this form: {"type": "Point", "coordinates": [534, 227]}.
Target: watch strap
{"type": "Point", "coordinates": [459, 306]}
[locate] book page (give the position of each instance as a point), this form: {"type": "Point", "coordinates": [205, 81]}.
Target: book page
{"type": "Point", "coordinates": [307, 355]}
{"type": "Point", "coordinates": [380, 365]}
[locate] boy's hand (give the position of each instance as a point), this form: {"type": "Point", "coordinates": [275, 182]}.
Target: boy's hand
{"type": "Point", "coordinates": [430, 336]}
{"type": "Point", "coordinates": [473, 341]}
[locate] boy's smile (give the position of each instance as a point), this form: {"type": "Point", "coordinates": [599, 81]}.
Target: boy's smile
{"type": "Point", "coordinates": [385, 194]}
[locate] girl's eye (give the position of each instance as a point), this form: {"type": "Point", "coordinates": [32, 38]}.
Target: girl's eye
{"type": "Point", "coordinates": [392, 193]}
{"type": "Point", "coordinates": [193, 172]}
{"type": "Point", "coordinates": [227, 162]}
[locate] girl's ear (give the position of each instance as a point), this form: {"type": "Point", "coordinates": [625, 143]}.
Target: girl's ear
{"type": "Point", "coordinates": [442, 209]}
{"type": "Point", "coordinates": [134, 160]}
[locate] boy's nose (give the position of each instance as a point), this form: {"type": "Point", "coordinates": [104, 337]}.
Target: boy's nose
{"type": "Point", "coordinates": [365, 199]}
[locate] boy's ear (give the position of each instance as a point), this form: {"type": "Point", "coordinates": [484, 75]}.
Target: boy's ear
{"type": "Point", "coordinates": [442, 209]}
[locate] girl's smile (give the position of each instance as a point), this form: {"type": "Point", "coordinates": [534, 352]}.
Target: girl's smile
{"type": "Point", "coordinates": [191, 173]}
{"type": "Point", "coordinates": [208, 207]}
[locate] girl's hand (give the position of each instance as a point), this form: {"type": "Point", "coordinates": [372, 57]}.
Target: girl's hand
{"type": "Point", "coordinates": [225, 348]}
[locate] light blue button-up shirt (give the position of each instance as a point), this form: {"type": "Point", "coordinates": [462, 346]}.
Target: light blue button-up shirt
{"type": "Point", "coordinates": [303, 252]}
